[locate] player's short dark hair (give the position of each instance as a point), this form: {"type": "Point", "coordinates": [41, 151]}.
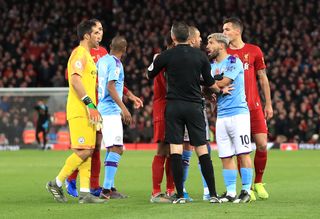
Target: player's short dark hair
{"type": "Point", "coordinates": [95, 20]}
{"type": "Point", "coordinates": [118, 43]}
{"type": "Point", "coordinates": [192, 31]}
{"type": "Point", "coordinates": [85, 27]}
{"type": "Point", "coordinates": [235, 21]}
{"type": "Point", "coordinates": [181, 31]}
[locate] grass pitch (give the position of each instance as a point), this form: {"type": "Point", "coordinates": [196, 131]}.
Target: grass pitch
{"type": "Point", "coordinates": [293, 182]}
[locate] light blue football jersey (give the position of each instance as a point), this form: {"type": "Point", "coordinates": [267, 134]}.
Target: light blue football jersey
{"type": "Point", "coordinates": [109, 68]}
{"type": "Point", "coordinates": [234, 104]}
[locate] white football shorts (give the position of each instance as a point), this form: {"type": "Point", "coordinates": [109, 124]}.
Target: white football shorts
{"type": "Point", "coordinates": [112, 131]}
{"type": "Point", "coordinates": [233, 135]}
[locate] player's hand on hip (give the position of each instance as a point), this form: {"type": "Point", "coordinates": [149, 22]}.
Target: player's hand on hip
{"type": "Point", "coordinates": [126, 116]}
{"type": "Point", "coordinates": [268, 111]}
{"type": "Point", "coordinates": [227, 89]}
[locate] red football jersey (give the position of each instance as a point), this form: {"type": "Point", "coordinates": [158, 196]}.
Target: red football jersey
{"type": "Point", "coordinates": [253, 60]}
{"type": "Point", "coordinates": [159, 96]}
{"type": "Point", "coordinates": [97, 53]}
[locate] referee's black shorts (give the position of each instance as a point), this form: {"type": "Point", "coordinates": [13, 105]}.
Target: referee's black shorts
{"type": "Point", "coordinates": [180, 113]}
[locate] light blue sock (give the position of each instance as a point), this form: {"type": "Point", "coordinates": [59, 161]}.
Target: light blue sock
{"type": "Point", "coordinates": [230, 180]}
{"type": "Point", "coordinates": [107, 153]}
{"type": "Point", "coordinates": [246, 177]}
{"type": "Point", "coordinates": [186, 155]}
{"type": "Point", "coordinates": [110, 166]}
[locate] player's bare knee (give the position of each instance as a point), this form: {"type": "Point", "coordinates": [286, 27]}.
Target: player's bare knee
{"type": "Point", "coordinates": [228, 163]}
{"type": "Point", "coordinates": [117, 149]}
{"type": "Point", "coordinates": [84, 153]}
{"type": "Point", "coordinates": [201, 150]}
{"type": "Point", "coordinates": [261, 142]}
{"type": "Point", "coordinates": [163, 149]}
{"type": "Point", "coordinates": [245, 160]}
{"type": "Point", "coordinates": [262, 147]}
{"type": "Point", "coordinates": [176, 148]}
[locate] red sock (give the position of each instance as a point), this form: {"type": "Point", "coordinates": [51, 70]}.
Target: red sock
{"type": "Point", "coordinates": [169, 176]}
{"type": "Point", "coordinates": [157, 173]}
{"type": "Point", "coordinates": [95, 170]}
{"type": "Point", "coordinates": [73, 176]}
{"type": "Point", "coordinates": [260, 161]}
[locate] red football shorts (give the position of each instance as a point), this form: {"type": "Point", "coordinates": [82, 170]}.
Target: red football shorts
{"type": "Point", "coordinates": [258, 122]}
{"type": "Point", "coordinates": [159, 130]}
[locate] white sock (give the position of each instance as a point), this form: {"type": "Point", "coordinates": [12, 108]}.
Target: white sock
{"type": "Point", "coordinates": [205, 191]}
{"type": "Point", "coordinates": [84, 190]}
{"type": "Point", "coordinates": [58, 182]}
{"type": "Point", "coordinates": [232, 194]}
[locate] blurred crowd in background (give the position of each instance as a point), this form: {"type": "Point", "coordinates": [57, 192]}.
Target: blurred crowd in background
{"type": "Point", "coordinates": [37, 38]}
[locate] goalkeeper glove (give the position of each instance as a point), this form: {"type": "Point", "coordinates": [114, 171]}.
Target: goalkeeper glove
{"type": "Point", "coordinates": [93, 113]}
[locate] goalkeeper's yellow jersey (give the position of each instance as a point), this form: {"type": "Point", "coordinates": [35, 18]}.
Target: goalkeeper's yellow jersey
{"type": "Point", "coordinates": [81, 63]}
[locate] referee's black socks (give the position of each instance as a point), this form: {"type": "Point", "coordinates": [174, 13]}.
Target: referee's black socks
{"type": "Point", "coordinates": [177, 172]}
{"type": "Point", "coordinates": [208, 173]}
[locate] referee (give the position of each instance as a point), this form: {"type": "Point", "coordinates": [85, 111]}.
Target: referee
{"type": "Point", "coordinates": [184, 66]}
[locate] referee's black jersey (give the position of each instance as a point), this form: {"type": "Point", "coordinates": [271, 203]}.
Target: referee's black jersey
{"type": "Point", "coordinates": [183, 65]}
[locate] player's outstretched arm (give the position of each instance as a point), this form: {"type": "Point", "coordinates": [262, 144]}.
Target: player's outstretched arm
{"type": "Point", "coordinates": [126, 116]}
{"type": "Point", "coordinates": [264, 83]}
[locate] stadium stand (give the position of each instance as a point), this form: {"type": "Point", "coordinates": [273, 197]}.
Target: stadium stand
{"type": "Point", "coordinates": [37, 37]}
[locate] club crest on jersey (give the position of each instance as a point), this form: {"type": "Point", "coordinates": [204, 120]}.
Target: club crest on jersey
{"type": "Point", "coordinates": [246, 57]}
{"type": "Point", "coordinates": [117, 71]}
{"type": "Point", "coordinates": [81, 140]}
{"type": "Point", "coordinates": [118, 139]}
{"type": "Point", "coordinates": [78, 64]}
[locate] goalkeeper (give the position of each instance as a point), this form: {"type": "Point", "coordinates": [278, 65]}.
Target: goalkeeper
{"type": "Point", "coordinates": [82, 115]}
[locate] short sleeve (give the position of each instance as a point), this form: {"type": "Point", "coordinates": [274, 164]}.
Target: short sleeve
{"type": "Point", "coordinates": [77, 63]}
{"type": "Point", "coordinates": [259, 60]}
{"type": "Point", "coordinates": [114, 69]}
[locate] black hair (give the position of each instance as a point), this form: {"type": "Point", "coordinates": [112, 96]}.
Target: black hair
{"type": "Point", "coordinates": [181, 31]}
{"type": "Point", "coordinates": [85, 27]}
{"type": "Point", "coordinates": [235, 21]}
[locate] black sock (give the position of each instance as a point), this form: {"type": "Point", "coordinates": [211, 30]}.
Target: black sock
{"type": "Point", "coordinates": [208, 173]}
{"type": "Point", "coordinates": [177, 171]}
